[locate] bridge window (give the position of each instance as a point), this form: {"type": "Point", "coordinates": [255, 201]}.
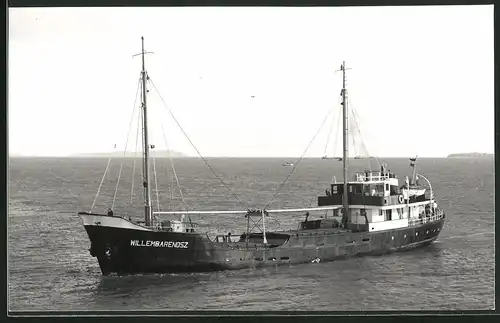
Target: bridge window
{"type": "Point", "coordinates": [366, 190]}
{"type": "Point", "coordinates": [355, 189]}
{"type": "Point", "coordinates": [388, 215]}
{"type": "Point", "coordinates": [337, 189]}
{"type": "Point", "coordinates": [377, 190]}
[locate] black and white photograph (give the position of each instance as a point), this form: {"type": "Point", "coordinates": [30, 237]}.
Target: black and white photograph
{"type": "Point", "coordinates": [250, 159]}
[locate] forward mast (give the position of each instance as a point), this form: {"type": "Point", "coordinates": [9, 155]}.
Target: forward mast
{"type": "Point", "coordinates": [148, 216]}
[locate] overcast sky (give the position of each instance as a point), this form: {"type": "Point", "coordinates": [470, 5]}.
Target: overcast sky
{"type": "Point", "coordinates": [421, 79]}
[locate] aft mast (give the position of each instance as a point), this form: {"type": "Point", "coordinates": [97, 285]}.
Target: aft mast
{"type": "Point", "coordinates": [148, 217]}
{"type": "Point", "coordinates": [345, 202]}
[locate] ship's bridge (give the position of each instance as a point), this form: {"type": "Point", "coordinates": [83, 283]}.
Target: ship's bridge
{"type": "Point", "coordinates": [371, 177]}
{"type": "Point", "coordinates": [377, 188]}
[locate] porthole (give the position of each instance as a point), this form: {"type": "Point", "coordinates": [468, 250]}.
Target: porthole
{"type": "Point", "coordinates": [438, 229]}
{"type": "Point", "coordinates": [416, 233]}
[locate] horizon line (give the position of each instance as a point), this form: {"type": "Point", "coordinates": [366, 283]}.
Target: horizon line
{"type": "Point", "coordinates": [284, 157]}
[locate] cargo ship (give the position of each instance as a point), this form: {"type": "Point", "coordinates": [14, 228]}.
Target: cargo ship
{"type": "Point", "coordinates": [367, 214]}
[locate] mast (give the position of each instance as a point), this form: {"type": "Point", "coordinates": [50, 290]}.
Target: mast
{"type": "Point", "coordinates": [345, 202]}
{"type": "Point", "coordinates": [147, 189]}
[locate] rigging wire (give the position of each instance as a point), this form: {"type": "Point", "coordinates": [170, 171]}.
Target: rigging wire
{"type": "Point", "coordinates": [339, 116]}
{"type": "Point", "coordinates": [331, 129]}
{"type": "Point", "coordinates": [173, 170]}
{"type": "Point", "coordinates": [192, 144]}
{"type": "Point", "coordinates": [338, 130]}
{"type": "Point", "coordinates": [172, 164]}
{"type": "Point", "coordinates": [107, 166]}
{"type": "Point", "coordinates": [329, 135]}
{"type": "Point", "coordinates": [356, 117]}
{"type": "Point", "coordinates": [135, 155]}
{"type": "Point", "coordinates": [167, 190]}
{"type": "Point", "coordinates": [126, 144]}
{"type": "Point", "coordinates": [172, 195]}
{"type": "Point", "coordinates": [156, 185]}
{"type": "Point", "coordinates": [116, 188]}
{"type": "Point", "coordinates": [100, 185]}
{"type": "Point", "coordinates": [355, 126]}
{"type": "Point", "coordinates": [353, 135]}
{"type": "Point", "coordinates": [299, 160]}
{"type": "Point", "coordinates": [171, 187]}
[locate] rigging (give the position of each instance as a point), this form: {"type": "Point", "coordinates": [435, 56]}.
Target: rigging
{"type": "Point", "coordinates": [299, 160]}
{"type": "Point", "coordinates": [192, 144]}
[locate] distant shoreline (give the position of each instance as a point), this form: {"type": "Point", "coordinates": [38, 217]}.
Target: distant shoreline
{"type": "Point", "coordinates": [117, 154]}
{"type": "Point", "coordinates": [154, 153]}
{"type": "Point", "coordinates": [469, 155]}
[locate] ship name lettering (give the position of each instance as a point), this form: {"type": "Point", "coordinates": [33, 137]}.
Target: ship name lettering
{"type": "Point", "coordinates": [161, 244]}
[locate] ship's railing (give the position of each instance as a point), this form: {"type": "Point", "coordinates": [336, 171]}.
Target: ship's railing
{"type": "Point", "coordinates": [371, 176]}
{"type": "Point", "coordinates": [166, 226]}
{"type": "Point", "coordinates": [438, 215]}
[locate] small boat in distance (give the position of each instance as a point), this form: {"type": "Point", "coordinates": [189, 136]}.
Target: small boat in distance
{"type": "Point", "coordinates": [365, 214]}
{"type": "Point", "coordinates": [287, 164]}
{"type": "Point", "coordinates": [336, 158]}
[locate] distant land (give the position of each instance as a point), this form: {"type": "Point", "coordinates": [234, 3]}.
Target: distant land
{"type": "Point", "coordinates": [468, 155]}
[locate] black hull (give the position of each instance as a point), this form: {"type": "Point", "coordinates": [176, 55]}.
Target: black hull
{"type": "Point", "coordinates": [126, 251]}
